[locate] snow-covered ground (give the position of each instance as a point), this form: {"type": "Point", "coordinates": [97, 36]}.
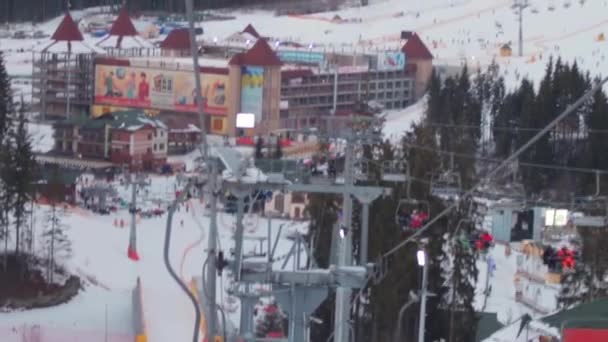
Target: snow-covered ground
{"type": "Point", "coordinates": [455, 31]}
{"type": "Point", "coordinates": [100, 258]}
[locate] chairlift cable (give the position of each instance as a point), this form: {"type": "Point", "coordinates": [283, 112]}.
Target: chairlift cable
{"type": "Point", "coordinates": [503, 129]}
{"type": "Point", "coordinates": [494, 160]}
{"type": "Point", "coordinates": [571, 108]}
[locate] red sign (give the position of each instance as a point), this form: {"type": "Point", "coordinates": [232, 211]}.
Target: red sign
{"type": "Point", "coordinates": [585, 335]}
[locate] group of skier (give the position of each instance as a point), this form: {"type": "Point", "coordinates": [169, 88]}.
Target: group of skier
{"type": "Point", "coordinates": [480, 240]}
{"type": "Point", "coordinates": [557, 260]}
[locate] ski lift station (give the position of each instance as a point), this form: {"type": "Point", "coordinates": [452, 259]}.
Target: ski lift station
{"type": "Point", "coordinates": [513, 222]}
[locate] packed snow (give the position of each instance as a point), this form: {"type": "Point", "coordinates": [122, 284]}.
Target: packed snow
{"type": "Point", "coordinates": [457, 32]}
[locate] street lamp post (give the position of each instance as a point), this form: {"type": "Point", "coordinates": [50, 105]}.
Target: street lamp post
{"type": "Point", "coordinates": [421, 255]}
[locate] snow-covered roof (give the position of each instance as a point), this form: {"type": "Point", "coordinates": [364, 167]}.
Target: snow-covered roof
{"type": "Point", "coordinates": [190, 129]}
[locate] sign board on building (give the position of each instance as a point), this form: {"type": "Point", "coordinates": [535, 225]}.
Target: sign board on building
{"type": "Point", "coordinates": [245, 120]}
{"type": "Point", "coordinates": [99, 110]}
{"type": "Point", "coordinates": [252, 91]}
{"type": "Point", "coordinates": [391, 61]}
{"type": "Point", "coordinates": [296, 56]}
{"type": "Point", "coordinates": [352, 69]}
{"type": "Point", "coordinates": [155, 88]}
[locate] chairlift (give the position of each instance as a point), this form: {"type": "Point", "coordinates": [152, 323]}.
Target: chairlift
{"type": "Point", "coordinates": [362, 169]}
{"type": "Point", "coordinates": [393, 171]}
{"type": "Point", "coordinates": [595, 204]}
{"type": "Point", "coordinates": [446, 184]}
{"type": "Point", "coordinates": [411, 214]}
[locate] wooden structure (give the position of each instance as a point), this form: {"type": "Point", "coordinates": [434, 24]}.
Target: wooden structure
{"type": "Point", "coordinates": [506, 51]}
{"type": "Point", "coordinates": [62, 77]}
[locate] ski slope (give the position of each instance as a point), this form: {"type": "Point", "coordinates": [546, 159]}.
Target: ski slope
{"type": "Point", "coordinates": [470, 31]}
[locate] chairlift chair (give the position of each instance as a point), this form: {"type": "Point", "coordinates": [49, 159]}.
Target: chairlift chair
{"type": "Point", "coordinates": [394, 171]}
{"type": "Point", "coordinates": [446, 184]}
{"type": "Point", "coordinates": [405, 210]}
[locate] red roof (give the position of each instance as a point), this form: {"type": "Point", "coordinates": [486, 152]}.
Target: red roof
{"type": "Point", "coordinates": [259, 55]}
{"type": "Point", "coordinates": [123, 26]}
{"type": "Point", "coordinates": [177, 39]}
{"type": "Point", "coordinates": [414, 48]}
{"type": "Point", "coordinates": [249, 29]}
{"type": "Point", "coordinates": [67, 30]}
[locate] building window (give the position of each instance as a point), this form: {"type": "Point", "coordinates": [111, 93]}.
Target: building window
{"type": "Point", "coordinates": [154, 147]}
{"type": "Point", "coordinates": [297, 197]}
{"type": "Point", "coordinates": [150, 136]}
{"type": "Point", "coordinates": [162, 133]}
{"type": "Point", "coordinates": [161, 147]}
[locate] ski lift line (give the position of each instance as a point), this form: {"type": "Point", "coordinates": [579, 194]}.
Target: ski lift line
{"type": "Point", "coordinates": [169, 267]}
{"type": "Point", "coordinates": [493, 160]}
{"type": "Point", "coordinates": [504, 129]}
{"type": "Point", "coordinates": [571, 108]}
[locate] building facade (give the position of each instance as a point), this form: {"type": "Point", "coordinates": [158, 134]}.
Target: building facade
{"type": "Point", "coordinates": [284, 85]}
{"type": "Point", "coordinates": [129, 139]}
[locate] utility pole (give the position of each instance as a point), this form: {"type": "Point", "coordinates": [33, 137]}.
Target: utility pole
{"type": "Point", "coordinates": [343, 294]}
{"type": "Point", "coordinates": [212, 165]}
{"type": "Point", "coordinates": [521, 5]}
{"type": "Point", "coordinates": [423, 295]}
{"type": "Point", "coordinates": [135, 181]}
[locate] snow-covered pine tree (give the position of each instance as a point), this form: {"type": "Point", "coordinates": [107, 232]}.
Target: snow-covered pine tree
{"type": "Point", "coordinates": [460, 277]}
{"type": "Point", "coordinates": [23, 175]}
{"type": "Point", "coordinates": [588, 280]}
{"type": "Point", "coordinates": [6, 193]}
{"type": "Point", "coordinates": [55, 243]}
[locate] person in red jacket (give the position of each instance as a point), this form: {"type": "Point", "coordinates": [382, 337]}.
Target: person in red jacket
{"type": "Point", "coordinates": [487, 239]}
{"type": "Point", "coordinates": [566, 256]}
{"type": "Point", "coordinates": [418, 219]}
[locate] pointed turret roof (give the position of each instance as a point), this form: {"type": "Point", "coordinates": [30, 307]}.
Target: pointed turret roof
{"type": "Point", "coordinates": [252, 31]}
{"type": "Point", "coordinates": [67, 31]}
{"type": "Point", "coordinates": [177, 39]}
{"type": "Point", "coordinates": [414, 48]}
{"type": "Point", "coordinates": [123, 26]}
{"type": "Point", "coordinates": [259, 55]}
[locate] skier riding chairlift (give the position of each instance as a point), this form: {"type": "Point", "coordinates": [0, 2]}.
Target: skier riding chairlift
{"type": "Point", "coordinates": [412, 221]}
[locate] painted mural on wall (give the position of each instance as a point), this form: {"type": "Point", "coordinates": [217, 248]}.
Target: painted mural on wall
{"type": "Point", "coordinates": [138, 87]}
{"type": "Point", "coordinates": [252, 91]}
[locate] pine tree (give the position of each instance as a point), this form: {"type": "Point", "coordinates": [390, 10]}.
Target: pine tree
{"type": "Point", "coordinates": [24, 173]}
{"type": "Point", "coordinates": [6, 100]}
{"type": "Point", "coordinates": [588, 281]}
{"type": "Point", "coordinates": [6, 191]}
{"type": "Point", "coordinates": [460, 277]}
{"type": "Point", "coordinates": [55, 242]}
{"type": "Point", "coordinates": [597, 152]}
